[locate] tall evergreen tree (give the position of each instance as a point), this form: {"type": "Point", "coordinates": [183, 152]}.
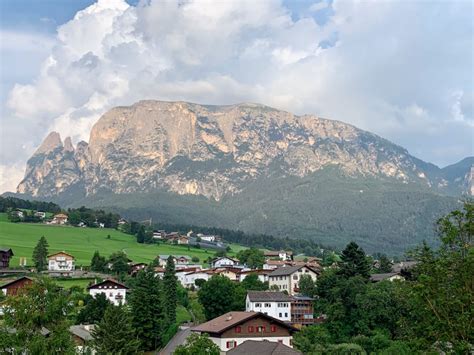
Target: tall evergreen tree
{"type": "Point", "coordinates": [307, 286]}
{"type": "Point", "coordinates": [40, 254]}
{"type": "Point", "coordinates": [114, 334]}
{"type": "Point", "coordinates": [170, 291]}
{"type": "Point", "coordinates": [98, 262]}
{"type": "Point", "coordinates": [147, 309]}
{"type": "Point", "coordinates": [385, 264]}
{"type": "Point", "coordinates": [94, 310]}
{"type": "Point", "coordinates": [141, 235]}
{"type": "Point", "coordinates": [354, 262]}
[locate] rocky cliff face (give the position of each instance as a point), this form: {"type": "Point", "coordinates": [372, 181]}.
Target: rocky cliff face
{"type": "Point", "coordinates": [212, 151]}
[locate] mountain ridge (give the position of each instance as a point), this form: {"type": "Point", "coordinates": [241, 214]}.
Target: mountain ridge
{"type": "Point", "coordinates": [220, 152]}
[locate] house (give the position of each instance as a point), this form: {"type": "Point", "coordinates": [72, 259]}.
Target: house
{"type": "Point", "coordinates": [274, 304]}
{"type": "Point", "coordinates": [287, 278]}
{"type": "Point", "coordinates": [231, 273]}
{"type": "Point", "coordinates": [59, 218]}
{"type": "Point", "coordinates": [18, 213]}
{"type": "Point", "coordinates": [302, 311]}
{"type": "Point", "coordinates": [224, 261]}
{"type": "Point", "coordinates": [5, 256]}
{"type": "Point", "coordinates": [82, 337]}
{"type": "Point", "coordinates": [390, 276]}
{"type": "Point", "coordinates": [61, 262]}
{"type": "Point", "coordinates": [14, 287]}
{"type": "Point", "coordinates": [179, 260]}
{"type": "Point", "coordinates": [113, 290]}
{"type": "Point", "coordinates": [159, 271]}
{"type": "Point", "coordinates": [264, 347]}
{"type": "Point", "coordinates": [233, 328]}
{"type": "Point", "coordinates": [183, 240]}
{"type": "Point", "coordinates": [181, 274]}
{"type": "Point", "coordinates": [208, 238]}
{"type": "Point", "coordinates": [261, 274]}
{"type": "Point", "coordinates": [191, 277]}
{"type": "Point", "coordinates": [159, 234]}
{"type": "Point", "coordinates": [135, 268]}
{"type": "Point", "coordinates": [282, 255]}
{"type": "Point", "coordinates": [122, 221]}
{"type": "Point", "coordinates": [40, 214]}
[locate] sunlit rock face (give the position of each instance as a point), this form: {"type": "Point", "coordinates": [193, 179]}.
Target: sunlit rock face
{"type": "Point", "coordinates": [211, 151]}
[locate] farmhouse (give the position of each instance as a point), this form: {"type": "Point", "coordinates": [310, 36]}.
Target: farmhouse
{"type": "Point", "coordinates": [231, 273]}
{"type": "Point", "coordinates": [17, 286]}
{"type": "Point", "coordinates": [5, 256]}
{"type": "Point", "coordinates": [224, 261]}
{"type": "Point", "coordinates": [113, 290]}
{"type": "Point", "coordinates": [135, 268]}
{"type": "Point", "coordinates": [179, 260]}
{"type": "Point", "coordinates": [60, 219]}
{"type": "Point", "coordinates": [191, 277]}
{"type": "Point", "coordinates": [61, 262]}
{"type": "Point", "coordinates": [40, 214]}
{"type": "Point", "coordinates": [287, 278]}
{"type": "Point", "coordinates": [274, 304]}
{"type": "Point", "coordinates": [264, 347]}
{"type": "Point", "coordinates": [233, 328]}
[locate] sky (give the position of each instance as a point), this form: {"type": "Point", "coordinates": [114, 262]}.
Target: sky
{"type": "Point", "coordinates": [400, 69]}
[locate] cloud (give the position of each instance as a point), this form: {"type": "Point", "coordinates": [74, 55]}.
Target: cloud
{"type": "Point", "coordinates": [392, 67]}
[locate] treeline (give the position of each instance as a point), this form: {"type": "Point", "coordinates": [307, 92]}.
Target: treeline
{"type": "Point", "coordinates": [308, 247]}
{"type": "Point", "coordinates": [8, 203]}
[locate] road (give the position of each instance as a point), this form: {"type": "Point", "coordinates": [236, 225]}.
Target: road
{"type": "Point", "coordinates": [178, 339]}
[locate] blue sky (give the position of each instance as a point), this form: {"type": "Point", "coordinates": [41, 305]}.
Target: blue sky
{"type": "Point", "coordinates": [401, 69]}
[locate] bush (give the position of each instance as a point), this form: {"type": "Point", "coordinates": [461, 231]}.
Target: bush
{"type": "Point", "coordinates": [170, 333]}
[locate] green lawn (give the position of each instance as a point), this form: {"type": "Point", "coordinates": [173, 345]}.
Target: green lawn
{"type": "Point", "coordinates": [82, 242]}
{"type": "Point", "coordinates": [182, 315]}
{"type": "Point", "coordinates": [68, 283]}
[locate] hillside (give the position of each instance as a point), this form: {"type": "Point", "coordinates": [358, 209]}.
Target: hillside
{"type": "Point", "coordinates": [253, 168]}
{"type": "Point", "coordinates": [83, 242]}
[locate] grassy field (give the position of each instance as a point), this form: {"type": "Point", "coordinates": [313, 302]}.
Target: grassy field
{"type": "Point", "coordinates": [82, 242]}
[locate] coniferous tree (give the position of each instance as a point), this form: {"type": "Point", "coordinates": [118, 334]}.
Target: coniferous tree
{"type": "Point", "coordinates": [170, 291]}
{"type": "Point", "coordinates": [385, 264]}
{"type": "Point", "coordinates": [354, 262]}
{"type": "Point", "coordinates": [141, 235]}
{"type": "Point", "coordinates": [307, 286]}
{"type": "Point", "coordinates": [98, 262]}
{"type": "Point", "coordinates": [114, 334]}
{"type": "Point", "coordinates": [94, 309]}
{"type": "Point", "coordinates": [40, 254]}
{"type": "Point", "coordinates": [147, 309]}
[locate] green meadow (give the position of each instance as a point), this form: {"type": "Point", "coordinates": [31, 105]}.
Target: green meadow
{"type": "Point", "coordinates": [83, 242]}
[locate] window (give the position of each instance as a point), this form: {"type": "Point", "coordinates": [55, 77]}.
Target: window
{"type": "Point", "coordinates": [111, 294]}
{"type": "Point", "coordinates": [280, 341]}
{"type": "Point", "coordinates": [258, 305]}
{"type": "Point", "coordinates": [286, 314]}
{"type": "Point", "coordinates": [279, 315]}
{"type": "Point", "coordinates": [261, 329]}
{"type": "Point", "coordinates": [267, 305]}
{"type": "Point", "coordinates": [273, 328]}
{"type": "Point", "coordinates": [295, 277]}
{"type": "Point", "coordinates": [231, 344]}
{"type": "Point", "coordinates": [250, 329]}
{"type": "Point", "coordinates": [238, 329]}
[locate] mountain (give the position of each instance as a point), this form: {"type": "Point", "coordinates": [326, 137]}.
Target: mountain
{"type": "Point", "coordinates": [251, 167]}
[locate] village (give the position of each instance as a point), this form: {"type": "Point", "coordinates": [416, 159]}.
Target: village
{"type": "Point", "coordinates": [271, 316]}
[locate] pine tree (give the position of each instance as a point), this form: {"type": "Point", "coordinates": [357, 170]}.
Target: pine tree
{"type": "Point", "coordinates": [170, 290]}
{"type": "Point", "coordinates": [385, 264]}
{"type": "Point", "coordinates": [354, 262]}
{"type": "Point", "coordinates": [114, 334]}
{"type": "Point", "coordinates": [147, 309]}
{"type": "Point", "coordinates": [40, 254]}
{"type": "Point", "coordinates": [141, 235]}
{"type": "Point", "coordinates": [98, 262]}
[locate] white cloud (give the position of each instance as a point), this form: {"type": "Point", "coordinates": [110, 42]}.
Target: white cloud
{"type": "Point", "coordinates": [387, 72]}
{"type": "Point", "coordinates": [10, 176]}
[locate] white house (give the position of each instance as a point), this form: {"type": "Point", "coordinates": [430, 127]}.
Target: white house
{"type": "Point", "coordinates": [40, 214]}
{"type": "Point", "coordinates": [208, 238]}
{"type": "Point", "coordinates": [61, 262]}
{"type": "Point", "coordinates": [233, 328]}
{"type": "Point", "coordinates": [274, 304]}
{"type": "Point", "coordinates": [224, 261]}
{"type": "Point", "coordinates": [287, 278]}
{"type": "Point", "coordinates": [179, 260]}
{"type": "Point", "coordinates": [191, 277]}
{"type": "Point", "coordinates": [113, 290]}
{"type": "Point", "coordinates": [261, 274]}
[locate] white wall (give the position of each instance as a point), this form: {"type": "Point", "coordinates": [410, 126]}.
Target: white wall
{"type": "Point", "coordinates": [61, 265]}
{"type": "Point", "coordinates": [111, 293]}
{"type": "Point", "coordinates": [278, 310]}
{"type": "Point", "coordinates": [224, 262]}
{"type": "Point", "coordinates": [191, 278]}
